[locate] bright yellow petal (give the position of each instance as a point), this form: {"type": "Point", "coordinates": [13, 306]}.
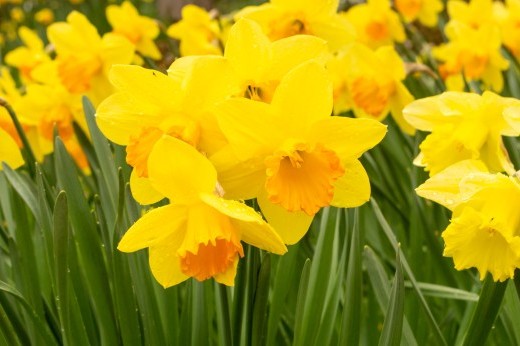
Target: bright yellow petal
{"type": "Point", "coordinates": [401, 99]}
{"type": "Point", "coordinates": [253, 229]}
{"type": "Point", "coordinates": [147, 87]}
{"type": "Point", "coordinates": [444, 187]}
{"type": "Point", "coordinates": [292, 51]}
{"type": "Point", "coordinates": [304, 95]}
{"type": "Point", "coordinates": [228, 277]}
{"type": "Point", "coordinates": [250, 127]}
{"type": "Point", "coordinates": [143, 191]}
{"type": "Point", "coordinates": [179, 171]}
{"type": "Point", "coordinates": [353, 188]}
{"type": "Point", "coordinates": [154, 227]}
{"type": "Point", "coordinates": [291, 226]}
{"type": "Point", "coordinates": [239, 180]}
{"type": "Point", "coordinates": [9, 151]}
{"type": "Point", "coordinates": [248, 50]}
{"type": "Point", "coordinates": [165, 263]}
{"type": "Point", "coordinates": [115, 49]}
{"type": "Point", "coordinates": [119, 117]}
{"type": "Point", "coordinates": [348, 137]}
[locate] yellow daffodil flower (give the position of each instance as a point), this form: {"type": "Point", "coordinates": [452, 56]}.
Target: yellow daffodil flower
{"type": "Point", "coordinates": [198, 233]}
{"type": "Point", "coordinates": [140, 30]}
{"type": "Point", "coordinates": [376, 23]}
{"type": "Point", "coordinates": [464, 126]}
{"type": "Point", "coordinates": [259, 77]}
{"type": "Point", "coordinates": [370, 83]}
{"type": "Point", "coordinates": [285, 18]}
{"type": "Point", "coordinates": [149, 104]}
{"type": "Point", "coordinates": [17, 14]}
{"type": "Point", "coordinates": [50, 106]}
{"type": "Point", "coordinates": [45, 16]}
{"type": "Point", "coordinates": [484, 228]}
{"type": "Point", "coordinates": [197, 32]}
{"type": "Point", "coordinates": [425, 11]}
{"type": "Point", "coordinates": [26, 58]}
{"type": "Point", "coordinates": [9, 151]}
{"type": "Point", "coordinates": [291, 154]}
{"type": "Point", "coordinates": [84, 58]}
{"type": "Point", "coordinates": [472, 53]}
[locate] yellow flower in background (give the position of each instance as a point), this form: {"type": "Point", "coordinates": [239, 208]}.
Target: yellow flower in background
{"type": "Point", "coordinates": [9, 151]}
{"type": "Point", "coordinates": [198, 233]}
{"type": "Point", "coordinates": [17, 14]}
{"type": "Point", "coordinates": [259, 77]}
{"type": "Point", "coordinates": [475, 13]}
{"type": "Point", "coordinates": [473, 54]}
{"type": "Point", "coordinates": [425, 11]}
{"type": "Point", "coordinates": [149, 104]}
{"type": "Point", "coordinates": [291, 154]}
{"type": "Point", "coordinates": [464, 126]}
{"type": "Point", "coordinates": [484, 229]}
{"type": "Point", "coordinates": [197, 31]}
{"type": "Point", "coordinates": [376, 23]}
{"type": "Point", "coordinates": [45, 16]}
{"type": "Point", "coordinates": [50, 106]}
{"type": "Point", "coordinates": [285, 18]}
{"type": "Point", "coordinates": [370, 83]}
{"type": "Point", "coordinates": [140, 30]}
{"type": "Point", "coordinates": [26, 58]}
{"type": "Point", "coordinates": [84, 58]}
{"type": "Point", "coordinates": [510, 26]}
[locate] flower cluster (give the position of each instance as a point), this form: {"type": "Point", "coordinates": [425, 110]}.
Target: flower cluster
{"type": "Point", "coordinates": [464, 155]}
{"type": "Point", "coordinates": [217, 130]}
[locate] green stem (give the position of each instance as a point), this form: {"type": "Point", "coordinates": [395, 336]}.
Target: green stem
{"type": "Point", "coordinates": [486, 312]}
{"type": "Point", "coordinates": [27, 152]}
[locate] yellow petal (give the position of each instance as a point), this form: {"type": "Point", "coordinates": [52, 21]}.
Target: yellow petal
{"type": "Point", "coordinates": [250, 126]}
{"type": "Point", "coordinates": [310, 7]}
{"type": "Point", "coordinates": [179, 171]}
{"type": "Point", "coordinates": [154, 227]}
{"type": "Point", "coordinates": [143, 191]}
{"type": "Point", "coordinates": [253, 229]}
{"type": "Point", "coordinates": [119, 117]}
{"type": "Point", "coordinates": [353, 188]}
{"type": "Point", "coordinates": [444, 187]}
{"type": "Point", "coordinates": [9, 151]}
{"type": "Point", "coordinates": [291, 226]}
{"type": "Point", "coordinates": [304, 95]}
{"type": "Point", "coordinates": [240, 180]}
{"type": "Point", "coordinates": [401, 99]}
{"type": "Point", "coordinates": [292, 51]}
{"type": "Point", "coordinates": [147, 87]}
{"type": "Point", "coordinates": [348, 137]}
{"type": "Point", "coordinates": [115, 49]}
{"type": "Point", "coordinates": [248, 50]}
{"type": "Point", "coordinates": [165, 263]}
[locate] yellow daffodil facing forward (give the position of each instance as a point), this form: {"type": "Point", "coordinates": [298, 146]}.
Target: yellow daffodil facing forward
{"type": "Point", "coordinates": [198, 234]}
{"type": "Point", "coordinates": [485, 226]}
{"type": "Point", "coordinates": [464, 126]}
{"type": "Point", "coordinates": [472, 53]}
{"type": "Point", "coordinates": [376, 23]}
{"type": "Point", "coordinates": [140, 30]}
{"type": "Point", "coordinates": [9, 151]}
{"type": "Point", "coordinates": [29, 56]}
{"type": "Point", "coordinates": [148, 104]}
{"type": "Point", "coordinates": [198, 33]}
{"type": "Point", "coordinates": [84, 58]}
{"type": "Point", "coordinates": [425, 11]}
{"type": "Point", "coordinates": [370, 83]}
{"type": "Point", "coordinates": [285, 18]}
{"type": "Point", "coordinates": [292, 155]}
